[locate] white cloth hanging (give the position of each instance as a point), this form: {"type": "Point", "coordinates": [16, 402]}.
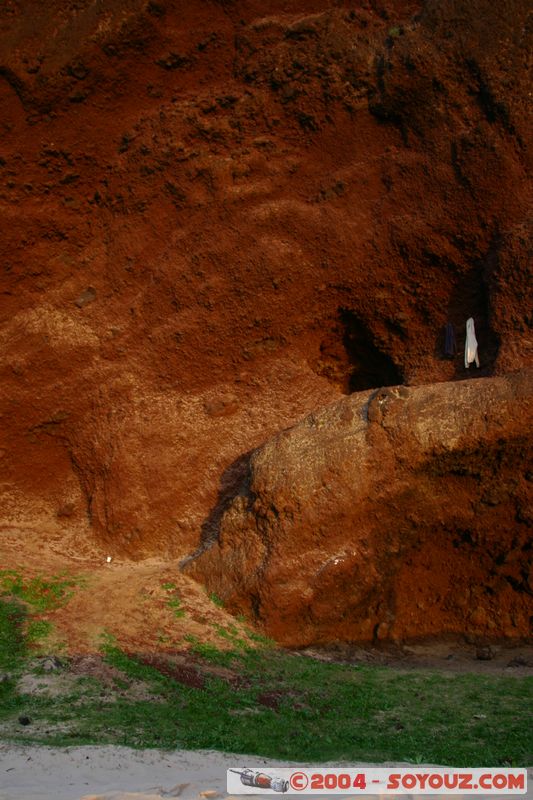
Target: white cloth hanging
{"type": "Point", "coordinates": [471, 354]}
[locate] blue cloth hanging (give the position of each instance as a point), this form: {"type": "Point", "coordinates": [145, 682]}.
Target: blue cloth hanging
{"type": "Point", "coordinates": [450, 346]}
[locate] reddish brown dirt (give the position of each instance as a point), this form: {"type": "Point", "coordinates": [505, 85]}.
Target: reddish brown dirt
{"type": "Point", "coordinates": [218, 217]}
{"type": "Point", "coordinates": [391, 515]}
{"type": "Point", "coordinates": [130, 603]}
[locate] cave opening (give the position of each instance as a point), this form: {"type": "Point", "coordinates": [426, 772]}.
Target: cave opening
{"type": "Point", "coordinates": [471, 298]}
{"type": "Point", "coordinates": [370, 366]}
{"type": "Point", "coordinates": [351, 359]}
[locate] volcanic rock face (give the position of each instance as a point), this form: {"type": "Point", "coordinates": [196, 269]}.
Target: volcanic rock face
{"type": "Point", "coordinates": [398, 513]}
{"type": "Point", "coordinates": [217, 218]}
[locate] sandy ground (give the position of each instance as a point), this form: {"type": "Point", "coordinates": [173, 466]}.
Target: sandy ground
{"type": "Point", "coordinates": [118, 773]}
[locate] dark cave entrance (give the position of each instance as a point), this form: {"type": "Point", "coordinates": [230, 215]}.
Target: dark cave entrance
{"type": "Point", "coordinates": [351, 359]}
{"type": "Point", "coordinates": [471, 298]}
{"type": "Point", "coordinates": [370, 367]}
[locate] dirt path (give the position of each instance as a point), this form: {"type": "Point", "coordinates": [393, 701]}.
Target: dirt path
{"type": "Point", "coordinates": [144, 605]}
{"type": "Point", "coordinates": [117, 773]}
{"type": "Point", "coordinates": [448, 655]}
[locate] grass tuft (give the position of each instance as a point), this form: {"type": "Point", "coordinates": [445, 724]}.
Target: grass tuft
{"type": "Point", "coordinates": [216, 599]}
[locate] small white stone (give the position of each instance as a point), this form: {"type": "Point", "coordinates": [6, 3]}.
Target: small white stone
{"type": "Point", "coordinates": [108, 559]}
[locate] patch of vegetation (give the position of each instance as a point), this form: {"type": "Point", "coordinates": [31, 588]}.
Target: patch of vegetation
{"type": "Point", "coordinates": [208, 652]}
{"type": "Point", "coordinates": [163, 638]}
{"type": "Point", "coordinates": [216, 600]}
{"type": "Point", "coordinates": [28, 598]}
{"type": "Point", "coordinates": [175, 604]}
{"type": "Point", "coordinates": [286, 706]}
{"type": "Point", "coordinates": [38, 629]}
{"type": "Point", "coordinates": [12, 641]}
{"type": "Point", "coordinates": [42, 594]}
{"type": "Point", "coordinates": [259, 638]}
{"type": "Point", "coordinates": [107, 642]}
{"type": "Point", "coordinates": [232, 635]}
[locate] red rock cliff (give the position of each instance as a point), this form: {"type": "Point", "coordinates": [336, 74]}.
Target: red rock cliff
{"type": "Point", "coordinates": [218, 216]}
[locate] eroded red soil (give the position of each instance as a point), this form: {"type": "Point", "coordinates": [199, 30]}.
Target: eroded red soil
{"type": "Point", "coordinates": [219, 216]}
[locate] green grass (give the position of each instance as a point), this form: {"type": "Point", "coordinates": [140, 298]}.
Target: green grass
{"type": "Point", "coordinates": [12, 640]}
{"type": "Point", "coordinates": [318, 711]}
{"type": "Point", "coordinates": [175, 604]}
{"type": "Point", "coordinates": [273, 704]}
{"type": "Point", "coordinates": [231, 634]}
{"type": "Point", "coordinates": [22, 600]}
{"type": "Point", "coordinates": [38, 629]}
{"type": "Point", "coordinates": [42, 594]}
{"type": "Point", "coordinates": [216, 600]}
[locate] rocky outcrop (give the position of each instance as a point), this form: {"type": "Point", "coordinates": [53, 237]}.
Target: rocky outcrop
{"type": "Point", "coordinates": [393, 514]}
